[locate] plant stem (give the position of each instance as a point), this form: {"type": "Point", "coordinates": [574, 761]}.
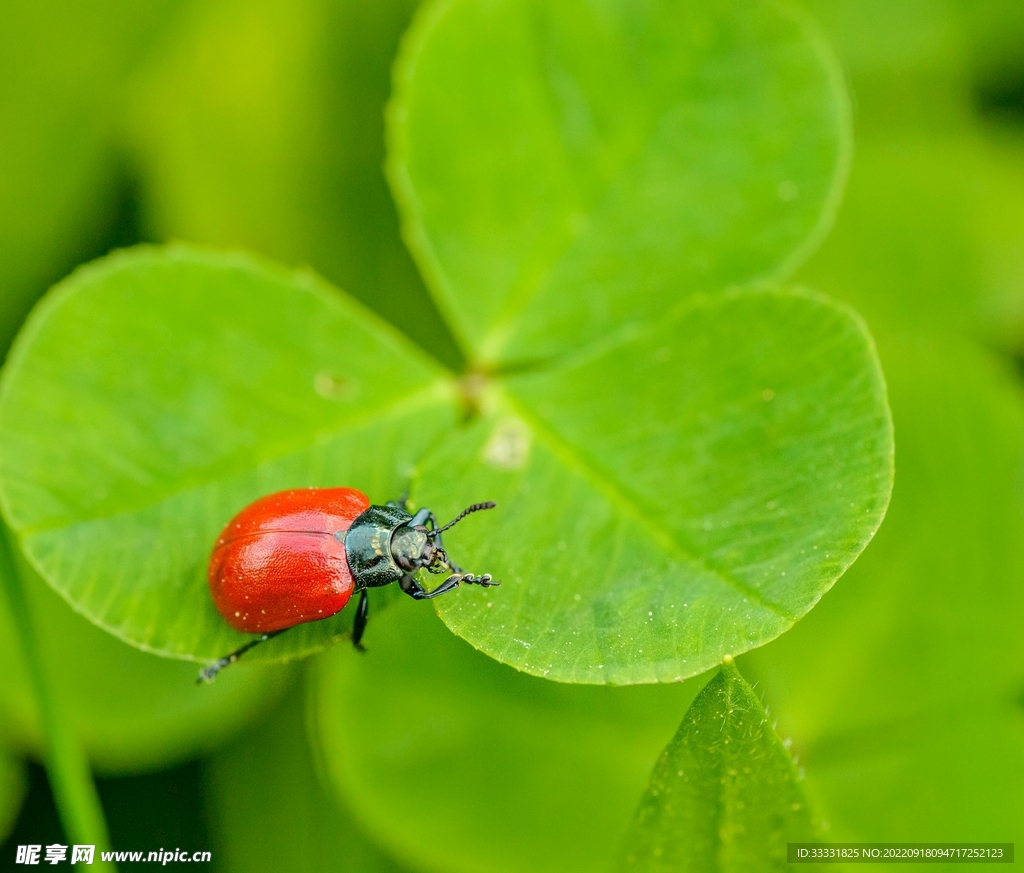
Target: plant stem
{"type": "Point", "coordinates": [66, 764]}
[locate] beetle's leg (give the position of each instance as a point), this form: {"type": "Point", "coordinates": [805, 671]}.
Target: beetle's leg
{"type": "Point", "coordinates": [411, 586]}
{"type": "Point", "coordinates": [484, 581]}
{"type": "Point", "coordinates": [420, 518]}
{"type": "Point", "coordinates": [208, 674]}
{"type": "Point", "coordinates": [402, 502]}
{"type": "Point", "coordinates": [359, 625]}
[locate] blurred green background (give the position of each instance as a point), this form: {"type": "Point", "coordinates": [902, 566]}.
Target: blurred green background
{"type": "Point", "coordinates": [259, 125]}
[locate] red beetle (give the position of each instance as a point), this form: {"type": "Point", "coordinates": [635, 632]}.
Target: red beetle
{"type": "Point", "coordinates": [298, 556]}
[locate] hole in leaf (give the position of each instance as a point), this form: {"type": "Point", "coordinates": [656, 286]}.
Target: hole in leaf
{"type": "Point", "coordinates": [331, 386]}
{"type": "Point", "coordinates": [509, 445]}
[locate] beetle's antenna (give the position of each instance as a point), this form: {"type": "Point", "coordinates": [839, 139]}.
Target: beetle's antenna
{"type": "Point", "coordinates": [476, 507]}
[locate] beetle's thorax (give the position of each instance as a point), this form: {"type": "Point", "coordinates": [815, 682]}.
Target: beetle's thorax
{"type": "Point", "coordinates": [368, 546]}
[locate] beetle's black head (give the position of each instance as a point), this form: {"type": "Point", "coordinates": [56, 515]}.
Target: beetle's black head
{"type": "Point", "coordinates": [417, 547]}
{"type": "Point", "coordinates": [412, 548]}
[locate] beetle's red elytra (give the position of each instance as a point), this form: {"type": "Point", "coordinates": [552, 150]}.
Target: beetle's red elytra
{"type": "Point", "coordinates": [279, 562]}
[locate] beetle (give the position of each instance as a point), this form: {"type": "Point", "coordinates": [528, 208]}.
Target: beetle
{"type": "Point", "coordinates": [299, 555]}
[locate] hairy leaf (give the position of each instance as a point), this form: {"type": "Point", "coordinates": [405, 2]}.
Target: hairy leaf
{"type": "Point", "coordinates": [176, 387]}
{"type": "Point", "coordinates": [725, 794]}
{"type": "Point", "coordinates": [679, 494]}
{"type": "Point", "coordinates": [606, 159]}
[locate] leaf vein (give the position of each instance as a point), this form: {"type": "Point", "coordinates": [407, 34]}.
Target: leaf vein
{"type": "Point", "coordinates": [632, 505]}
